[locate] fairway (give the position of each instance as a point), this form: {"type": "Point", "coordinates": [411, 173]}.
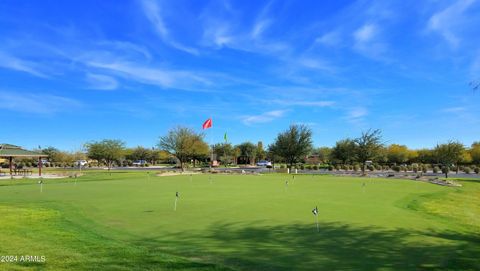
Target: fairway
{"type": "Point", "coordinates": [127, 221]}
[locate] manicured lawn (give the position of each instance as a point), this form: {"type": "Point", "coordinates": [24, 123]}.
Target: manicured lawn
{"type": "Point", "coordinates": [127, 221]}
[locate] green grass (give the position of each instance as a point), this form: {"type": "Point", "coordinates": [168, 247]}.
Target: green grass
{"type": "Point", "coordinates": [127, 221]}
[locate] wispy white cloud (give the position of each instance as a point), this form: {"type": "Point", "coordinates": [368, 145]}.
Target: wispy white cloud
{"type": "Point", "coordinates": [448, 21]}
{"type": "Point", "coordinates": [259, 27]}
{"type": "Point", "coordinates": [356, 115]}
{"type": "Point", "coordinates": [17, 64]}
{"type": "Point", "coordinates": [125, 47]}
{"type": "Point", "coordinates": [153, 11]}
{"type": "Point", "coordinates": [332, 38]}
{"type": "Point", "coordinates": [45, 104]}
{"type": "Point", "coordinates": [314, 63]}
{"type": "Point", "coordinates": [264, 117]}
{"type": "Point", "coordinates": [366, 41]}
{"type": "Point", "coordinates": [100, 81]}
{"type": "Point", "coordinates": [365, 33]}
{"type": "Point", "coordinates": [456, 109]}
{"type": "Point", "coordinates": [304, 103]}
{"type": "Point", "coordinates": [166, 78]}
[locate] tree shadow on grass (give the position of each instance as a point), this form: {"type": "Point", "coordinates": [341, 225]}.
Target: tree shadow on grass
{"type": "Point", "coordinates": [334, 247]}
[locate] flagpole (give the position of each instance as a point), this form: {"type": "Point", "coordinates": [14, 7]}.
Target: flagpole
{"type": "Point", "coordinates": [176, 198]}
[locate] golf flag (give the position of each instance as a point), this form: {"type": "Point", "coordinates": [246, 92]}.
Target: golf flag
{"type": "Point", "coordinates": [225, 136]}
{"type": "Point", "coordinates": [315, 211]}
{"type": "Point", "coordinates": [207, 124]}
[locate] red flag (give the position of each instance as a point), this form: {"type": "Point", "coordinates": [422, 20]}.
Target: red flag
{"type": "Point", "coordinates": [207, 124]}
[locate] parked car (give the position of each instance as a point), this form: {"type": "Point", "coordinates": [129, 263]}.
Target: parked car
{"type": "Point", "coordinates": [45, 162]}
{"type": "Point", "coordinates": [139, 163]}
{"type": "Point", "coordinates": [80, 163]}
{"type": "Point", "coordinates": [264, 163]}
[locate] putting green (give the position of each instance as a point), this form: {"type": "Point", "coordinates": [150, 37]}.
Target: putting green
{"type": "Point", "coordinates": [127, 221]}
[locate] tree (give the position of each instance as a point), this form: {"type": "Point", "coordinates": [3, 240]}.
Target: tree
{"type": "Point", "coordinates": [183, 143]}
{"type": "Point", "coordinates": [324, 154]}
{"type": "Point", "coordinates": [224, 151]}
{"type": "Point", "coordinates": [53, 154]}
{"type": "Point", "coordinates": [199, 150]}
{"type": "Point", "coordinates": [397, 154]}
{"type": "Point", "coordinates": [368, 146]}
{"type": "Point", "coordinates": [157, 155]}
{"type": "Point", "coordinates": [249, 151]}
{"type": "Point", "coordinates": [425, 156]}
{"type": "Point", "coordinates": [107, 151]}
{"type": "Point", "coordinates": [236, 153]}
{"type": "Point", "coordinates": [448, 154]}
{"type": "Point", "coordinates": [260, 152]}
{"type": "Point", "coordinates": [140, 153]}
{"type": "Point", "coordinates": [272, 154]}
{"type": "Point", "coordinates": [344, 151]}
{"type": "Point", "coordinates": [293, 144]}
{"type": "Point", "coordinates": [475, 152]}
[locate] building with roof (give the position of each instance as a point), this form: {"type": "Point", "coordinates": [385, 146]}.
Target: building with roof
{"type": "Point", "coordinates": [9, 152]}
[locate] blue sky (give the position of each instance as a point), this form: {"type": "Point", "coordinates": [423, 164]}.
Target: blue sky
{"type": "Point", "coordinates": [74, 71]}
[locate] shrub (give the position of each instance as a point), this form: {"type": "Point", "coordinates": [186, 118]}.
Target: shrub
{"type": "Point", "coordinates": [436, 169]}
{"type": "Point", "coordinates": [477, 170]}
{"type": "Point", "coordinates": [356, 168]}
{"type": "Point", "coordinates": [396, 168]}
{"type": "Point", "coordinates": [445, 170]}
{"type": "Point", "coordinates": [302, 167]}
{"type": "Point", "coordinates": [424, 168]}
{"type": "Point", "coordinates": [415, 169]}
{"type": "Point", "coordinates": [467, 170]}
{"type": "Point", "coordinates": [315, 167]}
{"type": "Point", "coordinates": [330, 167]}
{"type": "Point", "coordinates": [282, 166]}
{"type": "Point", "coordinates": [371, 167]}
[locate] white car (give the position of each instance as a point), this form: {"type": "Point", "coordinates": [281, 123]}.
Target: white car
{"type": "Point", "coordinates": [139, 163]}
{"type": "Point", "coordinates": [264, 163]}
{"type": "Point", "coordinates": [81, 163]}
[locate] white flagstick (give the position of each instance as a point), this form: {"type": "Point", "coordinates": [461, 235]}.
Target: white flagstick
{"type": "Point", "coordinates": [315, 213]}
{"type": "Point", "coordinates": [176, 198]}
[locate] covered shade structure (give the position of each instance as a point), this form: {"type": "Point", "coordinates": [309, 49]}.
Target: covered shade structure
{"type": "Point", "coordinates": [9, 152]}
